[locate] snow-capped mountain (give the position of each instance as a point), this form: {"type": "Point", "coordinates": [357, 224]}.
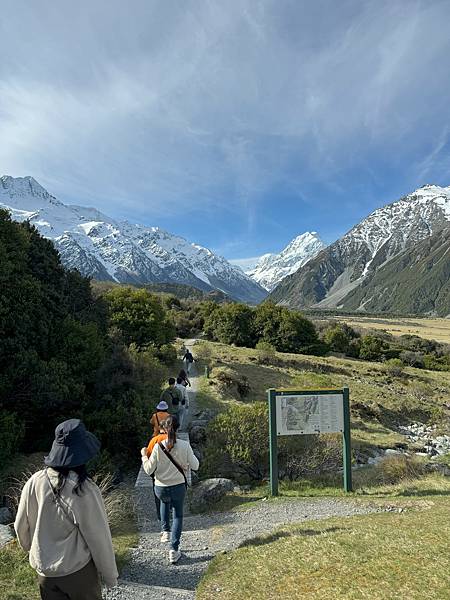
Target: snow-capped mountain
{"type": "Point", "coordinates": [351, 261]}
{"type": "Point", "coordinates": [272, 268]}
{"type": "Point", "coordinates": [106, 249]}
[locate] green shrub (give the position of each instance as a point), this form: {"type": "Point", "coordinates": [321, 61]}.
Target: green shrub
{"type": "Point", "coordinates": [140, 317]}
{"type": "Point", "coordinates": [371, 347]}
{"type": "Point", "coordinates": [239, 436]}
{"type": "Point", "coordinates": [266, 352]}
{"type": "Point", "coordinates": [167, 354]}
{"type": "Point", "coordinates": [11, 435]}
{"type": "Point", "coordinates": [395, 367]}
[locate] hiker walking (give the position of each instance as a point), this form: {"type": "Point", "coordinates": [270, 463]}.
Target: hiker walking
{"type": "Point", "coordinates": [188, 360]}
{"type": "Point", "coordinates": [172, 396]}
{"type": "Point", "coordinates": [158, 417]}
{"type": "Point", "coordinates": [185, 380]}
{"type": "Point", "coordinates": [169, 460]}
{"type": "Point", "coordinates": [182, 413]}
{"type": "Point", "coordinates": [61, 521]}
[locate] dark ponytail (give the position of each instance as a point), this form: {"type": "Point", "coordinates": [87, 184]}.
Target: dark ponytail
{"type": "Point", "coordinates": [63, 474]}
{"type": "Point", "coordinates": [170, 425]}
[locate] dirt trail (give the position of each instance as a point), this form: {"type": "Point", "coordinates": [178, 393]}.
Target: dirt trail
{"type": "Point", "coordinates": [149, 574]}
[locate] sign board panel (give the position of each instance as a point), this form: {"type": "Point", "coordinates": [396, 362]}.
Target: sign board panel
{"type": "Point", "coordinates": [304, 414]}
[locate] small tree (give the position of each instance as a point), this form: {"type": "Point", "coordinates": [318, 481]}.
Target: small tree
{"type": "Point", "coordinates": [371, 347]}
{"type": "Point", "coordinates": [140, 317]}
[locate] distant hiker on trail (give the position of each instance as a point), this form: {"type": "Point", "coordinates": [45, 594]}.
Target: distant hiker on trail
{"type": "Point", "coordinates": [183, 351]}
{"type": "Point", "coordinates": [61, 521]}
{"type": "Point", "coordinates": [172, 396]}
{"type": "Point", "coordinates": [158, 417]}
{"type": "Point", "coordinates": [184, 403]}
{"type": "Point", "coordinates": [188, 360]}
{"type": "Point", "coordinates": [184, 377]}
{"type": "Point", "coordinates": [169, 460]}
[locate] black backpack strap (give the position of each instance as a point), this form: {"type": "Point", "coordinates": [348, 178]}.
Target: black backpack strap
{"type": "Point", "coordinates": [174, 462]}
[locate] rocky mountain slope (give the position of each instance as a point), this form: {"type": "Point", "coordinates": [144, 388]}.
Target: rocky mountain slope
{"type": "Point", "coordinates": [417, 281]}
{"type": "Point", "coordinates": [105, 249]}
{"type": "Point", "coordinates": [272, 268]}
{"type": "Point", "coordinates": [332, 279]}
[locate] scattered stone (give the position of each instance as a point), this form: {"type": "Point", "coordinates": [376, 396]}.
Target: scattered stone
{"type": "Point", "coordinates": [210, 491]}
{"type": "Point", "coordinates": [5, 516]}
{"type": "Point", "coordinates": [5, 535]}
{"type": "Point", "coordinates": [197, 435]}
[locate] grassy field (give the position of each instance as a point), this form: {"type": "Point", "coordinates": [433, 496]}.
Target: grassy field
{"type": "Point", "coordinates": [428, 328]}
{"type": "Point", "coordinates": [380, 556]}
{"type": "Point", "coordinates": [379, 401]}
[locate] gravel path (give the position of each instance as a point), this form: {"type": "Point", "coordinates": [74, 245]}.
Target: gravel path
{"type": "Point", "coordinates": [149, 574]}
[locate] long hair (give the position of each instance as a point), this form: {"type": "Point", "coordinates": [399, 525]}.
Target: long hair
{"type": "Point", "coordinates": [63, 474]}
{"type": "Point", "coordinates": [170, 425]}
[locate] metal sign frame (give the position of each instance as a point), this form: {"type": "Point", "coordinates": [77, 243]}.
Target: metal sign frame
{"type": "Point", "coordinates": [273, 436]}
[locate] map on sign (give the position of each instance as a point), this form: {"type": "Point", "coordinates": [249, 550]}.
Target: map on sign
{"type": "Point", "coordinates": [312, 413]}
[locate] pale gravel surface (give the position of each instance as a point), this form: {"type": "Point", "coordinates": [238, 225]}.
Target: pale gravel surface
{"type": "Point", "coordinates": [149, 574]}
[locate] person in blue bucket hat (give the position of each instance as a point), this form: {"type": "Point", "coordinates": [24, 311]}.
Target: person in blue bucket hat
{"type": "Point", "coordinates": [61, 520]}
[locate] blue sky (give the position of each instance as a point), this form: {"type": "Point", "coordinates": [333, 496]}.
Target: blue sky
{"type": "Point", "coordinates": [236, 124]}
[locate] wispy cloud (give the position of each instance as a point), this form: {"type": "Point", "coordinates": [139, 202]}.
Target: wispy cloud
{"type": "Point", "coordinates": [206, 107]}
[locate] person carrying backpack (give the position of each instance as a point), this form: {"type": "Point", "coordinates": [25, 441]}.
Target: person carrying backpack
{"type": "Point", "coordinates": [61, 521]}
{"type": "Point", "coordinates": [172, 397]}
{"type": "Point", "coordinates": [188, 359]}
{"type": "Point", "coordinates": [158, 417]}
{"type": "Point", "coordinates": [169, 461]}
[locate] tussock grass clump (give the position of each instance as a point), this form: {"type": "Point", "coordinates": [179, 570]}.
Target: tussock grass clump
{"type": "Point", "coordinates": [398, 467]}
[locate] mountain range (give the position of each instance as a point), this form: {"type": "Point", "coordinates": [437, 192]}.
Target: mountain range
{"type": "Point", "coordinates": [272, 268]}
{"type": "Point", "coordinates": [389, 261]}
{"type": "Point", "coordinates": [109, 250]}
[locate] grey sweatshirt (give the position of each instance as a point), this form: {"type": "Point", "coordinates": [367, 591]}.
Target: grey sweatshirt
{"type": "Point", "coordinates": [57, 547]}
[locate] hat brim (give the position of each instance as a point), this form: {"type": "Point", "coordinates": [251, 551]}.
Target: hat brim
{"type": "Point", "coordinates": [74, 455]}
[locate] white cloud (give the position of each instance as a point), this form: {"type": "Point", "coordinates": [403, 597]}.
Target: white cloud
{"type": "Point", "coordinates": [207, 106]}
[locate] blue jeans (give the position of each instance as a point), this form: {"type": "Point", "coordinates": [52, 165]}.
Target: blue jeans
{"type": "Point", "coordinates": [172, 497]}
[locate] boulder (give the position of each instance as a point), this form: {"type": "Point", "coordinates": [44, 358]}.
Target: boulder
{"type": "Point", "coordinates": [5, 516]}
{"type": "Point", "coordinates": [5, 535]}
{"type": "Point", "coordinates": [208, 492]}
{"type": "Point", "coordinates": [197, 435]}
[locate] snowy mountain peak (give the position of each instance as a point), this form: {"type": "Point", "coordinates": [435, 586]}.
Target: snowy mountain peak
{"type": "Point", "coordinates": [272, 268]}
{"type": "Point", "coordinates": [20, 187]}
{"type": "Point", "coordinates": [106, 249]}
{"type": "Point", "coordinates": [356, 258]}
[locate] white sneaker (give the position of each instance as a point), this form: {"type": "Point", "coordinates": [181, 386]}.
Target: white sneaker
{"type": "Point", "coordinates": [165, 537]}
{"type": "Point", "coordinates": [174, 556]}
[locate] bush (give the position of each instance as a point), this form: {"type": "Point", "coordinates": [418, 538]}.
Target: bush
{"type": "Point", "coordinates": [240, 434]}
{"type": "Point", "coordinates": [395, 367]}
{"type": "Point", "coordinates": [11, 435]}
{"type": "Point", "coordinates": [167, 354]}
{"type": "Point", "coordinates": [371, 347]}
{"type": "Point", "coordinates": [309, 455]}
{"type": "Point", "coordinates": [140, 317]}
{"type": "Point", "coordinates": [266, 353]}
{"type": "Point", "coordinates": [393, 469]}
{"type": "Point", "coordinates": [232, 383]}
{"type": "Point", "coordinates": [413, 359]}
